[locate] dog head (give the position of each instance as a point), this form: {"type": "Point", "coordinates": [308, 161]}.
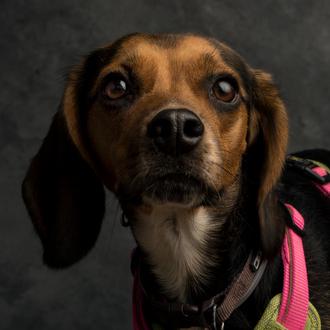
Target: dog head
{"type": "Point", "coordinates": [157, 119]}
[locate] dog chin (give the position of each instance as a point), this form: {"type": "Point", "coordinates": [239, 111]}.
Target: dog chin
{"type": "Point", "coordinates": [173, 199]}
{"type": "Point", "coordinates": [179, 190]}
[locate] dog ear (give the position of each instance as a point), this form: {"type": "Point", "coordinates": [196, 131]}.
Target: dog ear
{"type": "Point", "coordinates": [267, 140]}
{"type": "Point", "coordinates": [64, 197]}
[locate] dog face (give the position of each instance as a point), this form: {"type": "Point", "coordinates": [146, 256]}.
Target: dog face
{"type": "Point", "coordinates": [159, 119]}
{"type": "Point", "coordinates": [162, 133]}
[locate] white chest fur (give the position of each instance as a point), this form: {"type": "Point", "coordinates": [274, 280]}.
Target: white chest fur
{"type": "Point", "coordinates": [176, 240]}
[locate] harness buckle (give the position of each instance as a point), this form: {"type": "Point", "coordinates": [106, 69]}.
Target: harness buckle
{"type": "Point", "coordinates": [307, 167]}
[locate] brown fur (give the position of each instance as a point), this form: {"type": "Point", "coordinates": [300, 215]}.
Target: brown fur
{"type": "Point", "coordinates": [164, 87]}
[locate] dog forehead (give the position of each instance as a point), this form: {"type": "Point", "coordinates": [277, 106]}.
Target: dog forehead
{"type": "Point", "coordinates": [181, 44]}
{"type": "Point", "coordinates": [142, 49]}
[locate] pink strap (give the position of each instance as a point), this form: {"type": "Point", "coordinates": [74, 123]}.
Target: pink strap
{"type": "Point", "coordinates": [325, 188]}
{"type": "Point", "coordinates": [139, 321]}
{"type": "Point", "coordinates": [295, 296]}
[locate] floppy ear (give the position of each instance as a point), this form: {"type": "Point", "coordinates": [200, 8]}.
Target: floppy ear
{"type": "Point", "coordinates": [64, 197]}
{"type": "Point", "coordinates": [267, 140]}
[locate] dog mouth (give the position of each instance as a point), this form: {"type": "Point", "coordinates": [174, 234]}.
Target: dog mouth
{"type": "Point", "coordinates": [175, 188]}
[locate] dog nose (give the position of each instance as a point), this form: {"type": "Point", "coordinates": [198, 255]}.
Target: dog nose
{"type": "Point", "coordinates": [175, 131]}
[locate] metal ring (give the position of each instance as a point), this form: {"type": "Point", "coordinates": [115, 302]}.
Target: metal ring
{"type": "Point", "coordinates": [182, 311]}
{"type": "Point", "coordinates": [124, 221]}
{"type": "Point", "coordinates": [215, 317]}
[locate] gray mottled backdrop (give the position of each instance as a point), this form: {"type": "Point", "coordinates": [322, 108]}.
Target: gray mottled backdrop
{"type": "Point", "coordinates": [39, 40]}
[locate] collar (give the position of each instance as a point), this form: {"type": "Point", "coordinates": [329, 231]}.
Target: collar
{"type": "Point", "coordinates": [293, 309]}
{"type": "Point", "coordinates": [209, 313]}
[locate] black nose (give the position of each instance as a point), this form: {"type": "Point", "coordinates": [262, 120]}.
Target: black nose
{"type": "Point", "coordinates": [175, 131]}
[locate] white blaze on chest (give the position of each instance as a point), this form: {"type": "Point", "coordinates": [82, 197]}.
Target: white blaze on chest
{"type": "Point", "coordinates": [176, 240]}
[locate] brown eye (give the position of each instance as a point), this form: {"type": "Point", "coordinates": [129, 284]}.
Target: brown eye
{"type": "Point", "coordinates": [224, 91]}
{"type": "Point", "coordinates": [115, 88]}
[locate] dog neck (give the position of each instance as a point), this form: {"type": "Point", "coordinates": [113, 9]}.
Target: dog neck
{"type": "Point", "coordinates": [184, 247]}
{"type": "Point", "coordinates": [176, 242]}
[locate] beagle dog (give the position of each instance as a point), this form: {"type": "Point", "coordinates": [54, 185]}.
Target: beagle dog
{"type": "Point", "coordinates": [192, 141]}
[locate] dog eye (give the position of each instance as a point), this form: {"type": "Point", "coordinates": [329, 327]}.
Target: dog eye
{"type": "Point", "coordinates": [224, 90]}
{"type": "Point", "coordinates": [116, 88]}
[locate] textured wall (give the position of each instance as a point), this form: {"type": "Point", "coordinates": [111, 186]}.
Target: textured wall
{"type": "Point", "coordinates": [39, 40]}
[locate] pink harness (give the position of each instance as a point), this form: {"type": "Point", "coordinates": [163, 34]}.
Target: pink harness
{"type": "Point", "coordinates": [139, 320]}
{"type": "Point", "coordinates": [325, 188]}
{"type": "Point", "coordinates": [295, 295]}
